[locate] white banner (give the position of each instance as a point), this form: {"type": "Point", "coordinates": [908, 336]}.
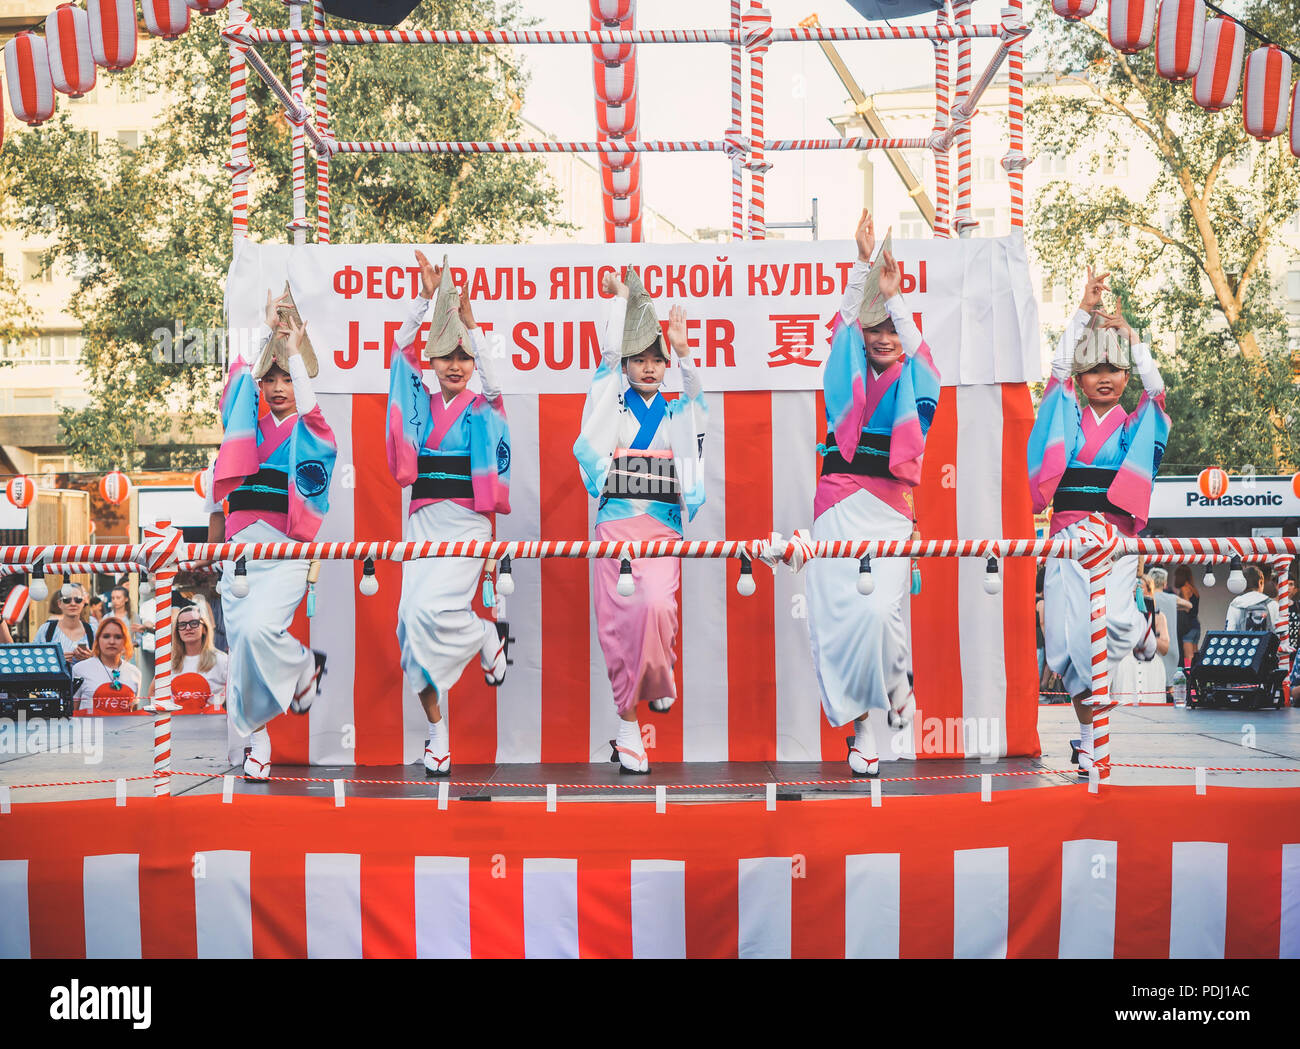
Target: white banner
{"type": "Point", "coordinates": [1245, 497]}
{"type": "Point", "coordinates": [759, 311]}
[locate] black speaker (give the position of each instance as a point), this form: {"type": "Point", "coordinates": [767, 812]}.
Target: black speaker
{"type": "Point", "coordinates": [1236, 669]}
{"type": "Point", "coordinates": [387, 13]}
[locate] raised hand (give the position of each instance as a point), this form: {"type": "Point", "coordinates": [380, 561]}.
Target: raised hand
{"type": "Point", "coordinates": [463, 308]}
{"type": "Point", "coordinates": [610, 284]}
{"type": "Point", "coordinates": [1092, 291]}
{"type": "Point", "coordinates": [1116, 322]}
{"type": "Point", "coordinates": [890, 278]}
{"type": "Point", "coordinates": [865, 235]}
{"type": "Point", "coordinates": [430, 275]}
{"type": "Point", "coordinates": [297, 332]}
{"type": "Point", "coordinates": [677, 331]}
{"type": "Point", "coordinates": [274, 320]}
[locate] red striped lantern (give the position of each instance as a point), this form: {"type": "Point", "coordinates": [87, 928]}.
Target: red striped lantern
{"type": "Point", "coordinates": [622, 210]}
{"type": "Point", "coordinates": [1132, 24]}
{"type": "Point", "coordinates": [20, 491]}
{"type": "Point", "coordinates": [67, 39]}
{"type": "Point", "coordinates": [613, 10]}
{"type": "Point", "coordinates": [617, 120]}
{"type": "Point", "coordinates": [616, 233]}
{"type": "Point", "coordinates": [1263, 107]}
{"type": "Point", "coordinates": [1295, 120]}
{"type": "Point", "coordinates": [1295, 484]}
{"type": "Point", "coordinates": [610, 52]}
{"type": "Point", "coordinates": [165, 18]}
{"type": "Point", "coordinates": [200, 483]}
{"type": "Point", "coordinates": [1212, 482]}
{"type": "Point", "coordinates": [1215, 85]}
{"type": "Point", "coordinates": [615, 81]}
{"type": "Point", "coordinates": [207, 7]}
{"type": "Point", "coordinates": [620, 182]}
{"type": "Point", "coordinates": [112, 32]}
{"type": "Point", "coordinates": [1180, 39]}
{"type": "Point", "coordinates": [16, 604]}
{"type": "Point", "coordinates": [31, 89]}
{"type": "Point", "coordinates": [115, 487]}
{"type": "Point", "coordinates": [1073, 10]}
{"type": "Point", "coordinates": [615, 160]}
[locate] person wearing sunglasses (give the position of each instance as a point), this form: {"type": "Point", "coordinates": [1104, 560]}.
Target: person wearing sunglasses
{"type": "Point", "coordinates": [200, 680]}
{"type": "Point", "coordinates": [110, 684]}
{"type": "Point", "coordinates": [69, 630]}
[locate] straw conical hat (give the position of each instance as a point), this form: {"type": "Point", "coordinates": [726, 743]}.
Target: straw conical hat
{"type": "Point", "coordinates": [873, 301]}
{"type": "Point", "coordinates": [276, 351]}
{"type": "Point", "coordinates": [641, 329]}
{"type": "Point", "coordinates": [1100, 345]}
{"type": "Point", "coordinates": [446, 330]}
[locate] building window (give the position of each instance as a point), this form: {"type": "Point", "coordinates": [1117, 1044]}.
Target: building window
{"type": "Point", "coordinates": [129, 139]}
{"type": "Point", "coordinates": [1293, 285]}
{"type": "Point", "coordinates": [912, 226]}
{"type": "Point", "coordinates": [1116, 163]}
{"type": "Point", "coordinates": [34, 269]}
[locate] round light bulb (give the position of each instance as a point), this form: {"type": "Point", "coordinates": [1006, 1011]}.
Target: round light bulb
{"type": "Point", "coordinates": [866, 584]}
{"type": "Point", "coordinates": [505, 579]}
{"type": "Point", "coordinates": [745, 584]}
{"type": "Point", "coordinates": [369, 585]}
{"type": "Point", "coordinates": [239, 588]}
{"type": "Point", "coordinates": [1208, 579]}
{"type": "Point", "coordinates": [626, 584]}
{"type": "Point", "coordinates": [39, 590]}
{"type": "Point", "coordinates": [992, 578]}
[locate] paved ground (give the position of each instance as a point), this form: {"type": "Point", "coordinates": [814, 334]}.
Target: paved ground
{"type": "Point", "coordinates": [107, 748]}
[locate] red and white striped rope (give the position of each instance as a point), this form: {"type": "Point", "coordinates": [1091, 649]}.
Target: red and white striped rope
{"type": "Point", "coordinates": [294, 110]}
{"type": "Point", "coordinates": [797, 34]}
{"type": "Point", "coordinates": [743, 144]}
{"type": "Point", "coordinates": [323, 127]}
{"type": "Point", "coordinates": [942, 101]}
{"type": "Point", "coordinates": [757, 25]}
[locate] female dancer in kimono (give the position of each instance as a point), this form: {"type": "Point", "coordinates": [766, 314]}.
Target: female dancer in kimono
{"type": "Point", "coordinates": [882, 390]}
{"type": "Point", "coordinates": [451, 447]}
{"type": "Point", "coordinates": [642, 456]}
{"type": "Point", "coordinates": [273, 471]}
{"type": "Point", "coordinates": [1099, 460]}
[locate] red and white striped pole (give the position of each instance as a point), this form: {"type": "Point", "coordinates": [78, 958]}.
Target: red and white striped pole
{"type": "Point", "coordinates": [734, 131]}
{"type": "Point", "coordinates": [758, 30]}
{"type": "Point", "coordinates": [162, 682]}
{"type": "Point", "coordinates": [1282, 572]}
{"type": "Point", "coordinates": [238, 165]}
{"type": "Point", "coordinates": [1015, 160]}
{"type": "Point", "coordinates": [964, 223]}
{"type": "Point", "coordinates": [1097, 557]}
{"type": "Point", "coordinates": [323, 127]}
{"type": "Point", "coordinates": [942, 102]}
{"type": "Point", "coordinates": [298, 225]}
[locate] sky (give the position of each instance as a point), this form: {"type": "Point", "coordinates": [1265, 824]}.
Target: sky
{"type": "Point", "coordinates": [684, 93]}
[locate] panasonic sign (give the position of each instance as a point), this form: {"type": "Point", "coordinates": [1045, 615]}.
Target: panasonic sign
{"type": "Point", "coordinates": [1245, 497]}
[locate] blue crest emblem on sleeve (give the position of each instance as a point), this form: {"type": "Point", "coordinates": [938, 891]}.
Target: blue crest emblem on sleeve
{"type": "Point", "coordinates": [311, 478]}
{"type": "Point", "coordinates": [503, 456]}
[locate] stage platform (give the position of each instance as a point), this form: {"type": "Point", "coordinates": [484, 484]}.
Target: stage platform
{"type": "Point", "coordinates": [1156, 735]}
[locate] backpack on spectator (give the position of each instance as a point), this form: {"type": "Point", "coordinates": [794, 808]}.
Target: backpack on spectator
{"type": "Point", "coordinates": [1256, 619]}
{"type": "Point", "coordinates": [48, 631]}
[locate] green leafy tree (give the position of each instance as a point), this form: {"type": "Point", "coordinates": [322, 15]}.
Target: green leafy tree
{"type": "Point", "coordinates": [17, 318]}
{"type": "Point", "coordinates": [147, 232]}
{"type": "Point", "coordinates": [1191, 255]}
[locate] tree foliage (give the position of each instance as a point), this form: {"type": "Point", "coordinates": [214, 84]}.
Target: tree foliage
{"type": "Point", "coordinates": [147, 232]}
{"type": "Point", "coordinates": [1191, 255]}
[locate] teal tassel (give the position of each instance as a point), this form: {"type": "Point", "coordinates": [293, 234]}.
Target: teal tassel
{"type": "Point", "coordinates": [311, 600]}
{"type": "Point", "coordinates": [916, 578]}
{"type": "Point", "coordinates": [489, 594]}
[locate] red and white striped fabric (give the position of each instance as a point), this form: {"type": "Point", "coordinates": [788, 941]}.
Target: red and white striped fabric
{"type": "Point", "coordinates": [207, 7]}
{"type": "Point", "coordinates": [1264, 105]}
{"type": "Point", "coordinates": [941, 876]}
{"type": "Point", "coordinates": [31, 88]}
{"type": "Point", "coordinates": [1216, 82]}
{"type": "Point", "coordinates": [613, 10]}
{"type": "Point", "coordinates": [620, 181]}
{"type": "Point", "coordinates": [614, 72]}
{"type": "Point", "coordinates": [16, 604]}
{"type": "Point", "coordinates": [617, 120]}
{"type": "Point", "coordinates": [1180, 38]}
{"type": "Point", "coordinates": [1074, 9]}
{"type": "Point", "coordinates": [745, 670]}
{"type": "Point", "coordinates": [165, 18]}
{"type": "Point", "coordinates": [625, 234]}
{"type": "Point", "coordinates": [1132, 24]}
{"type": "Point", "coordinates": [113, 32]}
{"type": "Point", "coordinates": [622, 210]}
{"type": "Point", "coordinates": [72, 65]}
{"type": "Point", "coordinates": [1295, 120]}
{"type": "Point", "coordinates": [612, 52]}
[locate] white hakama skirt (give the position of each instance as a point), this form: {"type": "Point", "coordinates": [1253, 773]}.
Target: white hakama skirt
{"type": "Point", "coordinates": [437, 629]}
{"type": "Point", "coordinates": [267, 663]}
{"type": "Point", "coordinates": [859, 641]}
{"type": "Point", "coordinates": [1067, 620]}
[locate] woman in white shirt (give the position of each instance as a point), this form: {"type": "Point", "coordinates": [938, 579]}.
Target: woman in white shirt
{"type": "Point", "coordinates": [69, 630]}
{"type": "Point", "coordinates": [109, 683]}
{"type": "Point", "coordinates": [199, 681]}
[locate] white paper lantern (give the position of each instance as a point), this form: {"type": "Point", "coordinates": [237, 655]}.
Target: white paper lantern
{"type": "Point", "coordinates": [1263, 107]}
{"type": "Point", "coordinates": [1215, 86]}
{"type": "Point", "coordinates": [1180, 39]}
{"type": "Point", "coordinates": [31, 88]}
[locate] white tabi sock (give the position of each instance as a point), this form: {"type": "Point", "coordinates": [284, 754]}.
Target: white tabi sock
{"type": "Point", "coordinates": [629, 736]}
{"type": "Point", "coordinates": [439, 742]}
{"type": "Point", "coordinates": [864, 739]}
{"type": "Point", "coordinates": [1085, 737]}
{"type": "Point", "coordinates": [260, 745]}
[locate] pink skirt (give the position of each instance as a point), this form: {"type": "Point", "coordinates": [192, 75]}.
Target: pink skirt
{"type": "Point", "coordinates": [637, 633]}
